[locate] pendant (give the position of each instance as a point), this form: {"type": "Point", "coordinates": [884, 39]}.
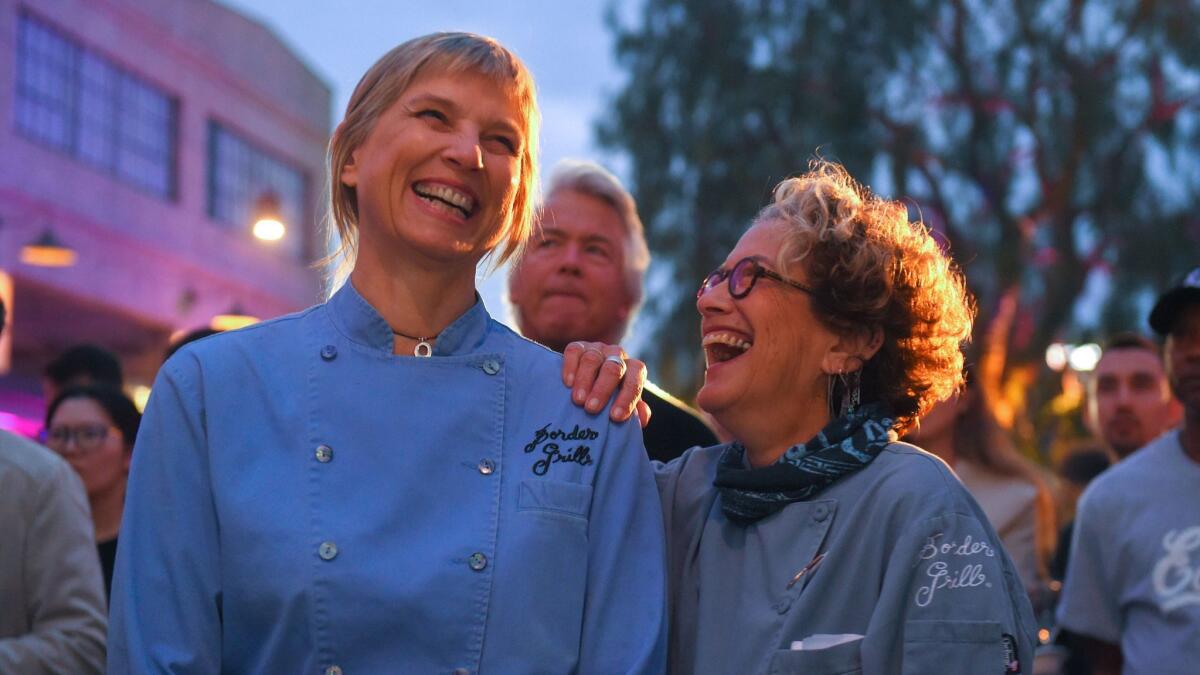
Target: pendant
{"type": "Point", "coordinates": [423, 349]}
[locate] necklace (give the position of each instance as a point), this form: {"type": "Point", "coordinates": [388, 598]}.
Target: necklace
{"type": "Point", "coordinates": [423, 348]}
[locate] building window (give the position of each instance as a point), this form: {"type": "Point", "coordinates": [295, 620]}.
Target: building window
{"type": "Point", "coordinates": [240, 174]}
{"type": "Point", "coordinates": [75, 100]}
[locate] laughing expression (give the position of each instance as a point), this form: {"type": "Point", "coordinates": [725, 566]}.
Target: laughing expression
{"type": "Point", "coordinates": [764, 351]}
{"type": "Point", "coordinates": [436, 177]}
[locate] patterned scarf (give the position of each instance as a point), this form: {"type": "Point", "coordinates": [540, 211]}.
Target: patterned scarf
{"type": "Point", "coordinates": [844, 446]}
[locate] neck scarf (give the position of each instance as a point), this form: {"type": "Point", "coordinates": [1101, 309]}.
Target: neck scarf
{"type": "Point", "coordinates": [844, 446]}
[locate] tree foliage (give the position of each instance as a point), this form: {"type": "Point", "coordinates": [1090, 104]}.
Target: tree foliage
{"type": "Point", "coordinates": [1053, 144]}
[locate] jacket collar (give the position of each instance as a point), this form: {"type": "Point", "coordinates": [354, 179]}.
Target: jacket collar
{"type": "Point", "coordinates": [361, 323]}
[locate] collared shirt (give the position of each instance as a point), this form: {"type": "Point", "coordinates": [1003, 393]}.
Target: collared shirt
{"type": "Point", "coordinates": [51, 596]}
{"type": "Point", "coordinates": [304, 501]}
{"type": "Point", "coordinates": [892, 569]}
{"type": "Point", "coordinates": [1134, 574]}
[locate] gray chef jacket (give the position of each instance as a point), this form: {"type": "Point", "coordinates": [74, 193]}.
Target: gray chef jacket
{"type": "Point", "coordinates": [898, 553]}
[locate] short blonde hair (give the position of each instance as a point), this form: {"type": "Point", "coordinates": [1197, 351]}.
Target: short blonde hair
{"type": "Point", "coordinates": [594, 180]}
{"type": "Point", "coordinates": [380, 88]}
{"type": "Point", "coordinates": [872, 269]}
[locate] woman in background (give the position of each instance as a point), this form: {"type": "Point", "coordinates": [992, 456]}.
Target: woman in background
{"type": "Point", "coordinates": [963, 431]}
{"type": "Point", "coordinates": [94, 428]}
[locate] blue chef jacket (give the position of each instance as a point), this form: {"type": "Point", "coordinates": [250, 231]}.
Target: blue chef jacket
{"type": "Point", "coordinates": [304, 501]}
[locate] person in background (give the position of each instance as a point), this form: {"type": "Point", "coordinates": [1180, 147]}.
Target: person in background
{"type": "Point", "coordinates": [963, 431]}
{"type": "Point", "coordinates": [392, 481]}
{"type": "Point", "coordinates": [581, 279]}
{"type": "Point", "coordinates": [1075, 473]}
{"type": "Point", "coordinates": [80, 365]}
{"type": "Point", "coordinates": [188, 338]}
{"type": "Point", "coordinates": [52, 617]}
{"type": "Point", "coordinates": [1129, 401]}
{"type": "Point", "coordinates": [815, 542]}
{"type": "Point", "coordinates": [94, 428]}
{"type": "Point", "coordinates": [1132, 589]}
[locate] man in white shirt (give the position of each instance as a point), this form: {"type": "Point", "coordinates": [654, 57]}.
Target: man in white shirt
{"type": "Point", "coordinates": [1132, 589]}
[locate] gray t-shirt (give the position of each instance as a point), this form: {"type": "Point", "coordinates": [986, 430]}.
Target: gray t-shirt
{"type": "Point", "coordinates": [1134, 574]}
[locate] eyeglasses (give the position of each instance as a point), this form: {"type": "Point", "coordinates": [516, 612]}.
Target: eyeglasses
{"type": "Point", "coordinates": [742, 277]}
{"type": "Point", "coordinates": [87, 437]}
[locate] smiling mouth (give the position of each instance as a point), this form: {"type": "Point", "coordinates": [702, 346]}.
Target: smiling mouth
{"type": "Point", "coordinates": [445, 198]}
{"type": "Point", "coordinates": [721, 347]}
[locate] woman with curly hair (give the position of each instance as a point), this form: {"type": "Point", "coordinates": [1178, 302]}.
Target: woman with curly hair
{"type": "Point", "coordinates": [815, 542]}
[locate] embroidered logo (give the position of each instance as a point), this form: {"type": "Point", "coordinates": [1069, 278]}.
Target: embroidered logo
{"type": "Point", "coordinates": [552, 442]}
{"type": "Point", "coordinates": [1176, 577]}
{"type": "Point", "coordinates": [939, 574]}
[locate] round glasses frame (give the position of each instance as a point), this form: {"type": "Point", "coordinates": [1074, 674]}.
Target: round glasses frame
{"type": "Point", "coordinates": [742, 278]}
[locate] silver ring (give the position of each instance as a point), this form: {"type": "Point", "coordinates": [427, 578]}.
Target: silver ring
{"type": "Point", "coordinates": [615, 359]}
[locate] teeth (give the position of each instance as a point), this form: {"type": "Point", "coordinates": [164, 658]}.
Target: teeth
{"type": "Point", "coordinates": [725, 339]}
{"type": "Point", "coordinates": [446, 194]}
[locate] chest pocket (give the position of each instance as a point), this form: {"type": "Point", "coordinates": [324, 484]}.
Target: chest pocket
{"type": "Point", "coordinates": [843, 659]}
{"type": "Point", "coordinates": [953, 647]}
{"type": "Point", "coordinates": [555, 497]}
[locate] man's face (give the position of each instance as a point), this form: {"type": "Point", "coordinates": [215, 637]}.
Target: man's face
{"type": "Point", "coordinates": [1183, 359]}
{"type": "Point", "coordinates": [1129, 401]}
{"type": "Point", "coordinates": [571, 282]}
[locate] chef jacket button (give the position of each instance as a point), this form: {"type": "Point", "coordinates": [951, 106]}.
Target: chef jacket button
{"type": "Point", "coordinates": [783, 605]}
{"type": "Point", "coordinates": [491, 366]}
{"type": "Point", "coordinates": [820, 513]}
{"type": "Point", "coordinates": [477, 561]}
{"type": "Point", "coordinates": [329, 353]}
{"type": "Point", "coordinates": [333, 670]}
{"type": "Point", "coordinates": [486, 467]}
{"type": "Point", "coordinates": [324, 454]}
{"type": "Point", "coordinates": [328, 550]}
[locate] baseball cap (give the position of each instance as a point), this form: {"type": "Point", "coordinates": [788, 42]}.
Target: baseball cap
{"type": "Point", "coordinates": [1170, 303]}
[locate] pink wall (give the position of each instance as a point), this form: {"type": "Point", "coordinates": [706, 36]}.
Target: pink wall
{"type": "Point", "coordinates": [139, 254]}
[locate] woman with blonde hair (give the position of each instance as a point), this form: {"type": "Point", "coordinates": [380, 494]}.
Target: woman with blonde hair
{"type": "Point", "coordinates": [815, 542]}
{"type": "Point", "coordinates": [392, 481]}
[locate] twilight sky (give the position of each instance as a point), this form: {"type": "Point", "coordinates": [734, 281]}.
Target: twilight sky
{"type": "Point", "coordinates": [565, 44]}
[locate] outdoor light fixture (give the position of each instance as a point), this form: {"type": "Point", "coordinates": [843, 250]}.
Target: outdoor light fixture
{"type": "Point", "coordinates": [235, 318]}
{"type": "Point", "coordinates": [1085, 357]}
{"type": "Point", "coordinates": [1081, 358]}
{"type": "Point", "coordinates": [268, 221]}
{"type": "Point", "coordinates": [47, 251]}
{"type": "Point", "coordinates": [1056, 356]}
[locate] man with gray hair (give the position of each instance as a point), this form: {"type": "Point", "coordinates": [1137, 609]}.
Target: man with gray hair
{"type": "Point", "coordinates": [580, 278]}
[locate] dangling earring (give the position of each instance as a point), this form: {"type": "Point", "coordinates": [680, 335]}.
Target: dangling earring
{"type": "Point", "coordinates": [852, 395]}
{"type": "Point", "coordinates": [830, 381]}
